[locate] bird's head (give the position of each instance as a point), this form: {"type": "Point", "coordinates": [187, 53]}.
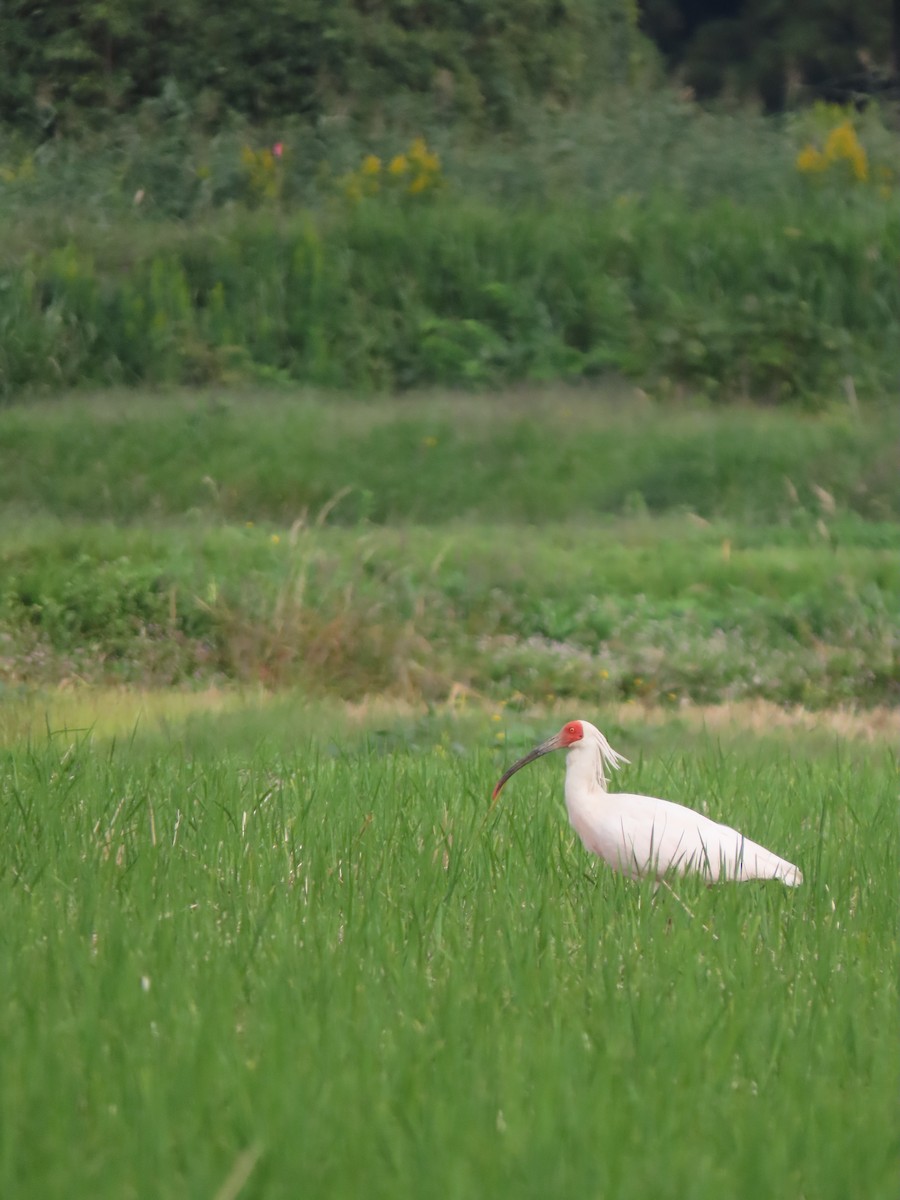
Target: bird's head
{"type": "Point", "coordinates": [580, 737]}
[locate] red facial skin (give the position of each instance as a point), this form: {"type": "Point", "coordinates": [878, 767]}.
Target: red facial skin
{"type": "Point", "coordinates": [572, 731]}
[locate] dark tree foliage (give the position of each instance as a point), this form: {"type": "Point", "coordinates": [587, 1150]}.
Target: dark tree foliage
{"type": "Point", "coordinates": [836, 49]}
{"type": "Point", "coordinates": [64, 61]}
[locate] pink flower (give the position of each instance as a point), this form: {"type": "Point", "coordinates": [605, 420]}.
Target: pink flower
{"type": "Point", "coordinates": [278, 149]}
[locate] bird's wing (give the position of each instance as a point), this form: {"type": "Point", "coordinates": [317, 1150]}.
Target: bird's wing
{"type": "Point", "coordinates": [643, 835]}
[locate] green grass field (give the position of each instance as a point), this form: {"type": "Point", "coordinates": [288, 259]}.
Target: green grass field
{"type": "Point", "coordinates": [273, 953]}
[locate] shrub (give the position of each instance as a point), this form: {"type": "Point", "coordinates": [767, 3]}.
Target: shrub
{"type": "Point", "coordinates": [73, 63]}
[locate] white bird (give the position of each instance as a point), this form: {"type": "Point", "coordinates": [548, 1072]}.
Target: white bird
{"type": "Point", "coordinates": [641, 836]}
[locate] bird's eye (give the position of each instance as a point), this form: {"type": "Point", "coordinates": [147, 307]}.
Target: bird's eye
{"type": "Point", "coordinates": [572, 729]}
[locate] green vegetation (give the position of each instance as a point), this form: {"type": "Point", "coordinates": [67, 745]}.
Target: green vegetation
{"type": "Point", "coordinates": [659, 245]}
{"type": "Point", "coordinates": [474, 296]}
{"type": "Point", "coordinates": [64, 67]}
{"type": "Point", "coordinates": [264, 653]}
{"type": "Point", "coordinates": [543, 454]}
{"type": "Point", "coordinates": [564, 545]}
{"type": "Point", "coordinates": [246, 955]}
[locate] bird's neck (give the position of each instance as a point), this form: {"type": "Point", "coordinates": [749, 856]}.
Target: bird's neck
{"type": "Point", "coordinates": [584, 779]}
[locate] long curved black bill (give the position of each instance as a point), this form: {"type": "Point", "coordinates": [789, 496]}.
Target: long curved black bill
{"type": "Point", "coordinates": [553, 743]}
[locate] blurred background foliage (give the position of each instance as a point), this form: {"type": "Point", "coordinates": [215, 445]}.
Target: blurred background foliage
{"type": "Point", "coordinates": [477, 59]}
{"type": "Point", "coordinates": [63, 65]}
{"type": "Point", "coordinates": [366, 194]}
{"type": "Point", "coordinates": [778, 50]}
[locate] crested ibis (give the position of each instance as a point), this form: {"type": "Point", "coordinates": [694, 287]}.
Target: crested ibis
{"type": "Point", "coordinates": [641, 836]}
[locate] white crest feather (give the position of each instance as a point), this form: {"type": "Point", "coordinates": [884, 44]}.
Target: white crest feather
{"type": "Point", "coordinates": [609, 758]}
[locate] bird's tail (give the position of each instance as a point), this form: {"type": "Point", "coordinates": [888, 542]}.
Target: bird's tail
{"type": "Point", "coordinates": [759, 863]}
{"type": "Point", "coordinates": [789, 874]}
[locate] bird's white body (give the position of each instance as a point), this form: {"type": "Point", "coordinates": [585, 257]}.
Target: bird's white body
{"type": "Point", "coordinates": [642, 836]}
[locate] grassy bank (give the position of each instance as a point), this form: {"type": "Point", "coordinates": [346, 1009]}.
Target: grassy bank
{"type": "Point", "coordinates": [552, 545]}
{"type": "Point", "coordinates": [651, 610]}
{"type": "Point", "coordinates": [237, 455]}
{"type": "Point", "coordinates": [727, 300]}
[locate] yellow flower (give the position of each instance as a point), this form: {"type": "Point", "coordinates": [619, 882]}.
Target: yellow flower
{"type": "Point", "coordinates": [810, 160]}
{"type": "Point", "coordinates": [419, 184]}
{"type": "Point", "coordinates": [495, 716]}
{"type": "Point", "coordinates": [604, 674]}
{"type": "Point", "coordinates": [431, 442]}
{"type": "Point", "coordinates": [274, 539]}
{"type": "Point", "coordinates": [842, 143]}
{"type": "Point", "coordinates": [424, 158]}
{"type": "Point", "coordinates": [399, 164]}
{"type": "Point", "coordinates": [371, 165]}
